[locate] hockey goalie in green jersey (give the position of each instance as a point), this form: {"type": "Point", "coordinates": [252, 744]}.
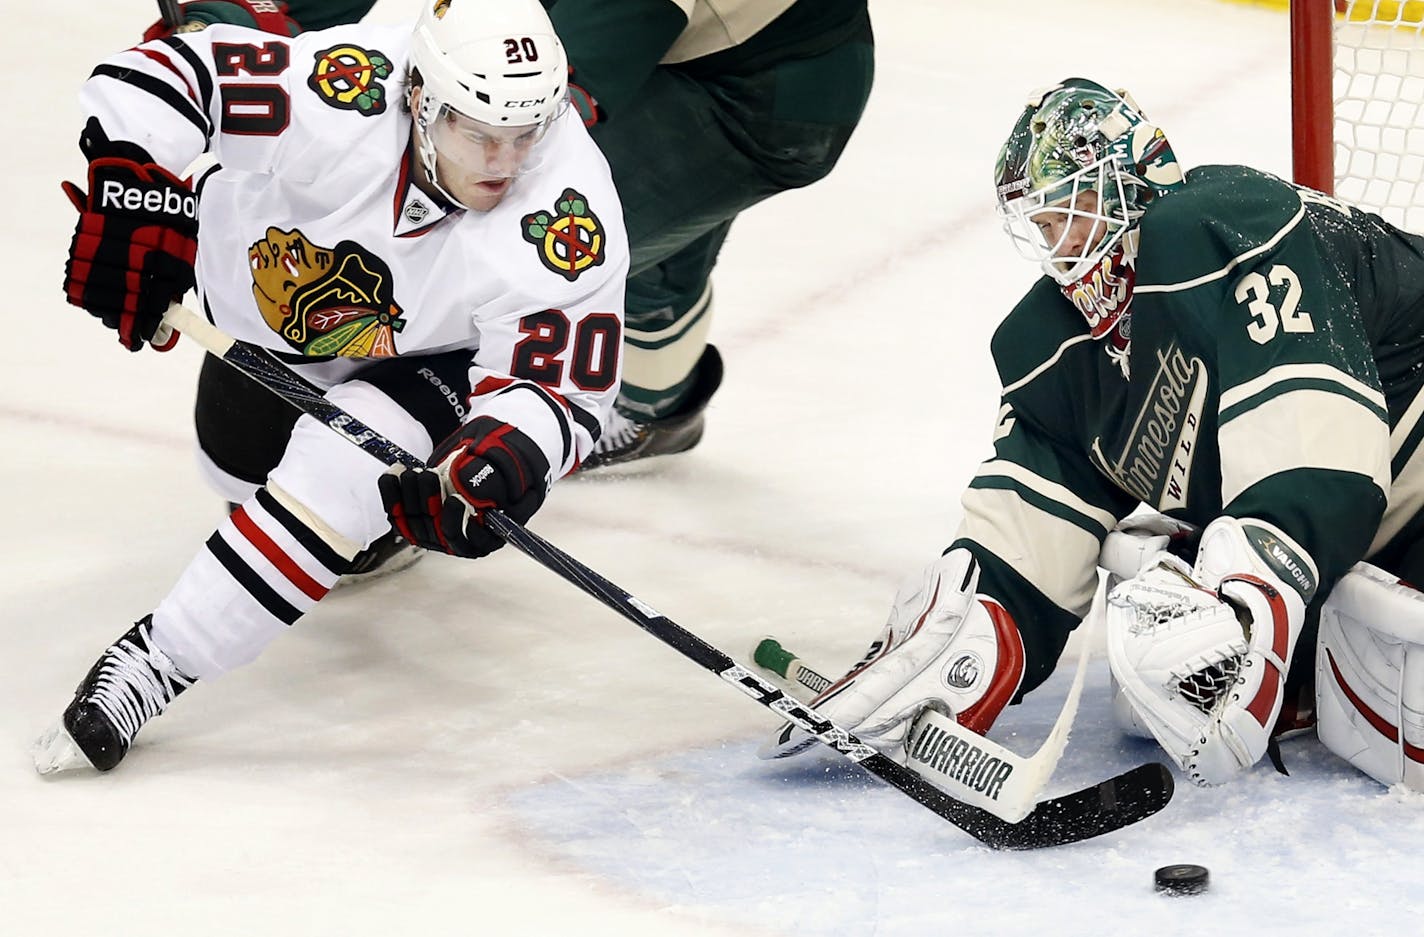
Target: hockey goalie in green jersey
{"type": "Point", "coordinates": [1242, 356]}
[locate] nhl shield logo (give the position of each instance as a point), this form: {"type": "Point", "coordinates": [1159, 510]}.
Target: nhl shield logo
{"type": "Point", "coordinates": [570, 238]}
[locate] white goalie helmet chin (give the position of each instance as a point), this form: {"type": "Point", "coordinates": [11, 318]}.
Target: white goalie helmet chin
{"type": "Point", "coordinates": [492, 78]}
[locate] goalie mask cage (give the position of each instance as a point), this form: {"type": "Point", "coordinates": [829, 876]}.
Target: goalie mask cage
{"type": "Point", "coordinates": [1357, 108]}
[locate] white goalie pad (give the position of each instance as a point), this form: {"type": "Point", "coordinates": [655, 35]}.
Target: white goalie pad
{"type": "Point", "coordinates": [1369, 676]}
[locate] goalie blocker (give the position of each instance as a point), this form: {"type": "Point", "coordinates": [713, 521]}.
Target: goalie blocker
{"type": "Point", "coordinates": [943, 646]}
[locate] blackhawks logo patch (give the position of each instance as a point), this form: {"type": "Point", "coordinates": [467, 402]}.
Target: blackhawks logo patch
{"type": "Point", "coordinates": [325, 301]}
{"type": "Point", "coordinates": [348, 77]}
{"type": "Point", "coordinates": [570, 238]}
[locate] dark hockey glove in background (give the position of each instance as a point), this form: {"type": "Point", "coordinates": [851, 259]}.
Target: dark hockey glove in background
{"type": "Point", "coordinates": [267, 15]}
{"type": "Point", "coordinates": [583, 102]}
{"type": "Point", "coordinates": [485, 464]}
{"type": "Point", "coordinates": [136, 241]}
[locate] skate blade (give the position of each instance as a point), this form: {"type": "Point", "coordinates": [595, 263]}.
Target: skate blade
{"type": "Point", "coordinates": [55, 751]}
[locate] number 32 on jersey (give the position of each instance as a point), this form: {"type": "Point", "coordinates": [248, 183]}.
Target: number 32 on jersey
{"type": "Point", "coordinates": [1270, 317]}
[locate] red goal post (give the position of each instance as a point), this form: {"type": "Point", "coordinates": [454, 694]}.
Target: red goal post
{"type": "Point", "coordinates": [1357, 103]}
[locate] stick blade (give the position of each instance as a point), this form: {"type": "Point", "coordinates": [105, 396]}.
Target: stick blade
{"type": "Point", "coordinates": [1106, 807]}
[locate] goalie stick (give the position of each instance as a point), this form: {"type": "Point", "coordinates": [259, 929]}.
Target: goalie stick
{"type": "Point", "coordinates": [1108, 806]}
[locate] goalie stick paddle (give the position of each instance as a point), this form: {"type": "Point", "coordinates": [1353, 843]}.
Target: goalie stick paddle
{"type": "Point", "coordinates": [1109, 806]}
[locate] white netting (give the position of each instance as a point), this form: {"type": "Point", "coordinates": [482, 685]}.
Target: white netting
{"type": "Point", "coordinates": [1379, 109]}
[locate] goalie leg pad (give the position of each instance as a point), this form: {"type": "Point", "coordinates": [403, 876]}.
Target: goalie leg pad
{"type": "Point", "coordinates": [1369, 676]}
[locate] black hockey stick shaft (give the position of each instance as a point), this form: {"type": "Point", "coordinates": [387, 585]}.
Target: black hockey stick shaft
{"type": "Point", "coordinates": [1104, 807]}
{"type": "Point", "coordinates": [171, 13]}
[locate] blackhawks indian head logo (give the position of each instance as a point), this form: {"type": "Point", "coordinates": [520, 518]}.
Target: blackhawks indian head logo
{"type": "Point", "coordinates": [570, 238]}
{"type": "Point", "coordinates": [325, 301]}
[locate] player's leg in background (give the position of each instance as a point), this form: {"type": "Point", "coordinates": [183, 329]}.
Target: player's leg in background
{"type": "Point", "coordinates": [723, 143]}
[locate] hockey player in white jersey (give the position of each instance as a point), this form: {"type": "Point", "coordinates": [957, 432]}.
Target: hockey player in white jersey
{"type": "Point", "coordinates": [422, 228]}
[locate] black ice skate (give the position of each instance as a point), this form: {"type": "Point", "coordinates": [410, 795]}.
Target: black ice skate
{"type": "Point", "coordinates": [387, 554]}
{"type": "Point", "coordinates": [129, 684]}
{"type": "Point", "coordinates": [626, 438]}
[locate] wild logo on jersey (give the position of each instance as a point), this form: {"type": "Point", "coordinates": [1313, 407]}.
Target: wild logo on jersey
{"type": "Point", "coordinates": [570, 240]}
{"type": "Point", "coordinates": [348, 76]}
{"type": "Point", "coordinates": [1155, 464]}
{"type": "Point", "coordinates": [325, 301]}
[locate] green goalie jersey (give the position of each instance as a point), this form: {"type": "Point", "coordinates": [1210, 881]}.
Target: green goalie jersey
{"type": "Point", "coordinates": [1274, 370]}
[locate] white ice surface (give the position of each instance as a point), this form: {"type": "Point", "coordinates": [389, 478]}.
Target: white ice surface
{"type": "Point", "coordinates": [477, 748]}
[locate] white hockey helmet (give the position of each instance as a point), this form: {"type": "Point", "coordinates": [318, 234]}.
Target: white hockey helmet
{"type": "Point", "coordinates": [492, 74]}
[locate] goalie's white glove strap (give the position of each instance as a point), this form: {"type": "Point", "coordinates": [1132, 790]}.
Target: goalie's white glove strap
{"type": "Point", "coordinates": [1201, 655]}
{"type": "Point", "coordinates": [942, 645]}
{"type": "Point", "coordinates": [1369, 675]}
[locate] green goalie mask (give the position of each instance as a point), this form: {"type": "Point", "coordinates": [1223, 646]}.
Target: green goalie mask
{"type": "Point", "coordinates": [1073, 178]}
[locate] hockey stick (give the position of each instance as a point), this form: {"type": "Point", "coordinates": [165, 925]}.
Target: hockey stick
{"type": "Point", "coordinates": [170, 12]}
{"type": "Point", "coordinates": [1109, 806]}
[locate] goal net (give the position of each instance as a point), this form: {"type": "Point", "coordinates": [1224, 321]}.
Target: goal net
{"type": "Point", "coordinates": [1358, 68]}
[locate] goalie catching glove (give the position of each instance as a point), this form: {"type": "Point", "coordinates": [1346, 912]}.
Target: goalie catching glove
{"type": "Point", "coordinates": [136, 241]}
{"type": "Point", "coordinates": [485, 464]}
{"type": "Point", "coordinates": [943, 647]}
{"type": "Point", "coordinates": [1200, 653]}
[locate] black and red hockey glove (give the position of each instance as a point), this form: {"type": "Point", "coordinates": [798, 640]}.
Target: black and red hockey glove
{"type": "Point", "coordinates": [485, 464]}
{"type": "Point", "coordinates": [136, 241]}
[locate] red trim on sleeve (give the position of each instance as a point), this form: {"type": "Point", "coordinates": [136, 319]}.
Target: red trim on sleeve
{"type": "Point", "coordinates": [167, 63]}
{"type": "Point", "coordinates": [489, 385]}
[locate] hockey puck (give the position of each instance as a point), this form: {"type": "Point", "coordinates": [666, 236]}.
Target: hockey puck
{"type": "Point", "coordinates": [1182, 879]}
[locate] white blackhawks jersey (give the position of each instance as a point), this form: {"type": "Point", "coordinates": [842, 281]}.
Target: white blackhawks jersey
{"type": "Point", "coordinates": [314, 242]}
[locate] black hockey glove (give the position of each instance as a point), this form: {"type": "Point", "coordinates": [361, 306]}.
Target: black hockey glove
{"type": "Point", "coordinates": [484, 464]}
{"type": "Point", "coordinates": [136, 241]}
